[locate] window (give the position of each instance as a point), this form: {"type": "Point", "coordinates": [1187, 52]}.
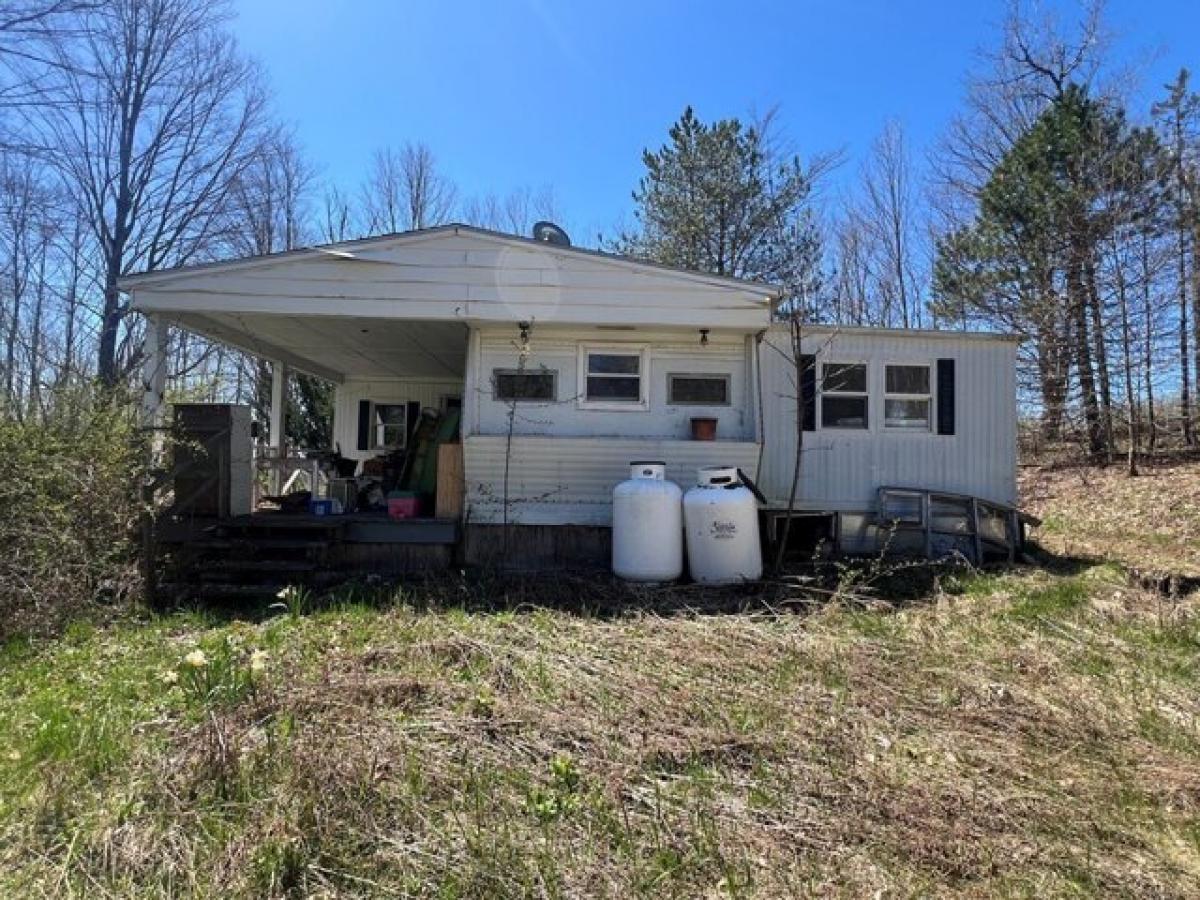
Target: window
{"type": "Point", "coordinates": [613, 378]}
{"type": "Point", "coordinates": [844, 395]}
{"type": "Point", "coordinates": [391, 424]}
{"type": "Point", "coordinates": [906, 398]}
{"type": "Point", "coordinates": [698, 390]}
{"type": "Point", "coordinates": [515, 384]}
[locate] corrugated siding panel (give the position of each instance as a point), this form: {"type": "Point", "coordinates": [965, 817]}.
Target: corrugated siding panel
{"type": "Point", "coordinates": [842, 470]}
{"type": "Point", "coordinates": [561, 481]}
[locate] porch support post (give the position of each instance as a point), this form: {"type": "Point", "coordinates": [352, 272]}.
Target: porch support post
{"type": "Point", "coordinates": [278, 435]}
{"type": "Point", "coordinates": [154, 371]}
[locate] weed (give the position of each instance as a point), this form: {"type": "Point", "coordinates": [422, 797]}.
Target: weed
{"type": "Point", "coordinates": [1049, 601]}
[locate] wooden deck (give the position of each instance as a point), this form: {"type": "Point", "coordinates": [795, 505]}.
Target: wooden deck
{"type": "Point", "coordinates": [356, 528]}
{"type": "Point", "coordinates": [257, 554]}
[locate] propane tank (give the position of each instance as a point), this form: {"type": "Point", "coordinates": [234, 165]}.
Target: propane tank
{"type": "Point", "coordinates": [647, 534]}
{"type": "Point", "coordinates": [721, 521]}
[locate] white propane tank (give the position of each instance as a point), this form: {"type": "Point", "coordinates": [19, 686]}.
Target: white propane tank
{"type": "Point", "coordinates": [647, 534]}
{"type": "Point", "coordinates": [721, 518]}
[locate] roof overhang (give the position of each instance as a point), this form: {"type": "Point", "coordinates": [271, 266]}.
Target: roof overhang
{"type": "Point", "coordinates": [400, 305]}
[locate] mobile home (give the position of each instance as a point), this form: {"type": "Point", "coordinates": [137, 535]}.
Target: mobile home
{"type": "Point", "coordinates": [566, 364]}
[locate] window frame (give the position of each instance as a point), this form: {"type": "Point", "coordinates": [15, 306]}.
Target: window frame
{"type": "Point", "coordinates": [724, 377]}
{"type": "Point", "coordinates": [641, 351]}
{"type": "Point", "coordinates": [929, 397]}
{"type": "Point", "coordinates": [865, 394]}
{"type": "Point", "coordinates": [380, 427]}
{"type": "Point", "coordinates": [510, 371]}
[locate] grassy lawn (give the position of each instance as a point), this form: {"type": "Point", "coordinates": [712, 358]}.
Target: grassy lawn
{"type": "Point", "coordinates": [1017, 734]}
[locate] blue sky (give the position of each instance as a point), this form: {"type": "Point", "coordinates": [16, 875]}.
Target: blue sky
{"type": "Point", "coordinates": [565, 93]}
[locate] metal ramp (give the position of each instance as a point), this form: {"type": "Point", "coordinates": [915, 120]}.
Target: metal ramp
{"type": "Point", "coordinates": [941, 525]}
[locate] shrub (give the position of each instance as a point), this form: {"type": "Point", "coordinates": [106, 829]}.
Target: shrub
{"type": "Point", "coordinates": [69, 504]}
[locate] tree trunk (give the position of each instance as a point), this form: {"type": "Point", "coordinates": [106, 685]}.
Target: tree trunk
{"type": "Point", "coordinates": [14, 326]}
{"type": "Point", "coordinates": [1083, 359]}
{"type": "Point", "coordinates": [1052, 379]}
{"type": "Point", "coordinates": [1185, 390]}
{"type": "Point", "coordinates": [797, 333]}
{"type": "Point", "coordinates": [1148, 347]}
{"type": "Point", "coordinates": [1127, 355]}
{"type": "Point", "coordinates": [110, 323]}
{"type": "Point", "coordinates": [33, 400]}
{"type": "Point", "coordinates": [1101, 353]}
{"type": "Point", "coordinates": [1196, 299]}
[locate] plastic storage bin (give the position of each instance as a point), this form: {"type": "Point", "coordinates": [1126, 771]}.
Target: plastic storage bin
{"type": "Point", "coordinates": [403, 505]}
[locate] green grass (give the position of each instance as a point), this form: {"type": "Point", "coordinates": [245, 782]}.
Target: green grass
{"type": "Point", "coordinates": [1014, 734]}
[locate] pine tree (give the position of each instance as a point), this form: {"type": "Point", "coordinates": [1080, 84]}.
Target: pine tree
{"type": "Point", "coordinates": [722, 198]}
{"type": "Point", "coordinates": [1179, 117]}
{"type": "Point", "coordinates": [1031, 256]}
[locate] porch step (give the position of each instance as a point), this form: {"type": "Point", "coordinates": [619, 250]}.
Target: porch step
{"type": "Point", "coordinates": [260, 543]}
{"type": "Point", "coordinates": [221, 590]}
{"type": "Point", "coordinates": [265, 523]}
{"type": "Point", "coordinates": [234, 567]}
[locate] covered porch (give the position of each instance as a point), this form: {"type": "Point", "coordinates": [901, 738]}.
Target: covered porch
{"type": "Point", "coordinates": [505, 337]}
{"type": "Point", "coordinates": [401, 367]}
{"type": "Point", "coordinates": [406, 377]}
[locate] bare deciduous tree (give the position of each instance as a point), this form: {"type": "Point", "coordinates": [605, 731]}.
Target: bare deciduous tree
{"type": "Point", "coordinates": [888, 221]}
{"type": "Point", "coordinates": [156, 118]}
{"type": "Point", "coordinates": [515, 212]}
{"type": "Point", "coordinates": [405, 191]}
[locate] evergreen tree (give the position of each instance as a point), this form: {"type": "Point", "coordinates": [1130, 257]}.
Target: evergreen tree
{"type": "Point", "coordinates": [723, 198]}
{"type": "Point", "coordinates": [1031, 256]}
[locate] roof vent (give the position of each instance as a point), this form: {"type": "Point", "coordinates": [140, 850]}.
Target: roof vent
{"type": "Point", "coordinates": [551, 234]}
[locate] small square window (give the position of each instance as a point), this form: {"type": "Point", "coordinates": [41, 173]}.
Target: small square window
{"type": "Point", "coordinates": [908, 379]}
{"type": "Point", "coordinates": [533, 384]}
{"type": "Point", "coordinates": [613, 378]}
{"type": "Point", "coordinates": [905, 413]}
{"type": "Point", "coordinates": [844, 378]}
{"type": "Point", "coordinates": [391, 424]}
{"type": "Point", "coordinates": [698, 390]}
{"type": "Point", "coordinates": [843, 412]}
{"type": "Point", "coordinates": [844, 402]}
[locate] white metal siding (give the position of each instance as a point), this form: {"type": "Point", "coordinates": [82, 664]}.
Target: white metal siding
{"type": "Point", "coordinates": [569, 481]}
{"type": "Point", "coordinates": [467, 276]}
{"type": "Point", "coordinates": [670, 352]}
{"type": "Point", "coordinates": [428, 393]}
{"type": "Point", "coordinates": [841, 470]}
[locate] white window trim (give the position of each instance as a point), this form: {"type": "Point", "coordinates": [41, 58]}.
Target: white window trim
{"type": "Point", "coordinates": [722, 376]}
{"type": "Point", "coordinates": [870, 425]}
{"type": "Point", "coordinates": [930, 367]}
{"type": "Point", "coordinates": [641, 350]}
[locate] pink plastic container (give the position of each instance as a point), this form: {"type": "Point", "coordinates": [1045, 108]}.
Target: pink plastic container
{"type": "Point", "coordinates": [403, 505]}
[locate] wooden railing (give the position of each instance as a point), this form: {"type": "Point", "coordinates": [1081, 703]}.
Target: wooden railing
{"type": "Point", "coordinates": [277, 475]}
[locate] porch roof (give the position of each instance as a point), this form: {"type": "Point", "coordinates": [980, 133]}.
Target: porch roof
{"type": "Point", "coordinates": [306, 307]}
{"type": "Point", "coordinates": [339, 348]}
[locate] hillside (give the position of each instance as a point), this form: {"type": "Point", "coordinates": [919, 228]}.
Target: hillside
{"type": "Point", "coordinates": [1150, 523]}
{"type": "Point", "coordinates": [1028, 733]}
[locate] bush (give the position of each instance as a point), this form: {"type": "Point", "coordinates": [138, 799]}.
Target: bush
{"type": "Point", "coordinates": [69, 505]}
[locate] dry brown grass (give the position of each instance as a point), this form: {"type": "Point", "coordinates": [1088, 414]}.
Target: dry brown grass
{"type": "Point", "coordinates": [1025, 735]}
{"type": "Point", "coordinates": [1015, 734]}
{"type": "Point", "coordinates": [1151, 522]}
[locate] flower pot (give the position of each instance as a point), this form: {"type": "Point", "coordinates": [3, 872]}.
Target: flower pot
{"type": "Point", "coordinates": [704, 429]}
